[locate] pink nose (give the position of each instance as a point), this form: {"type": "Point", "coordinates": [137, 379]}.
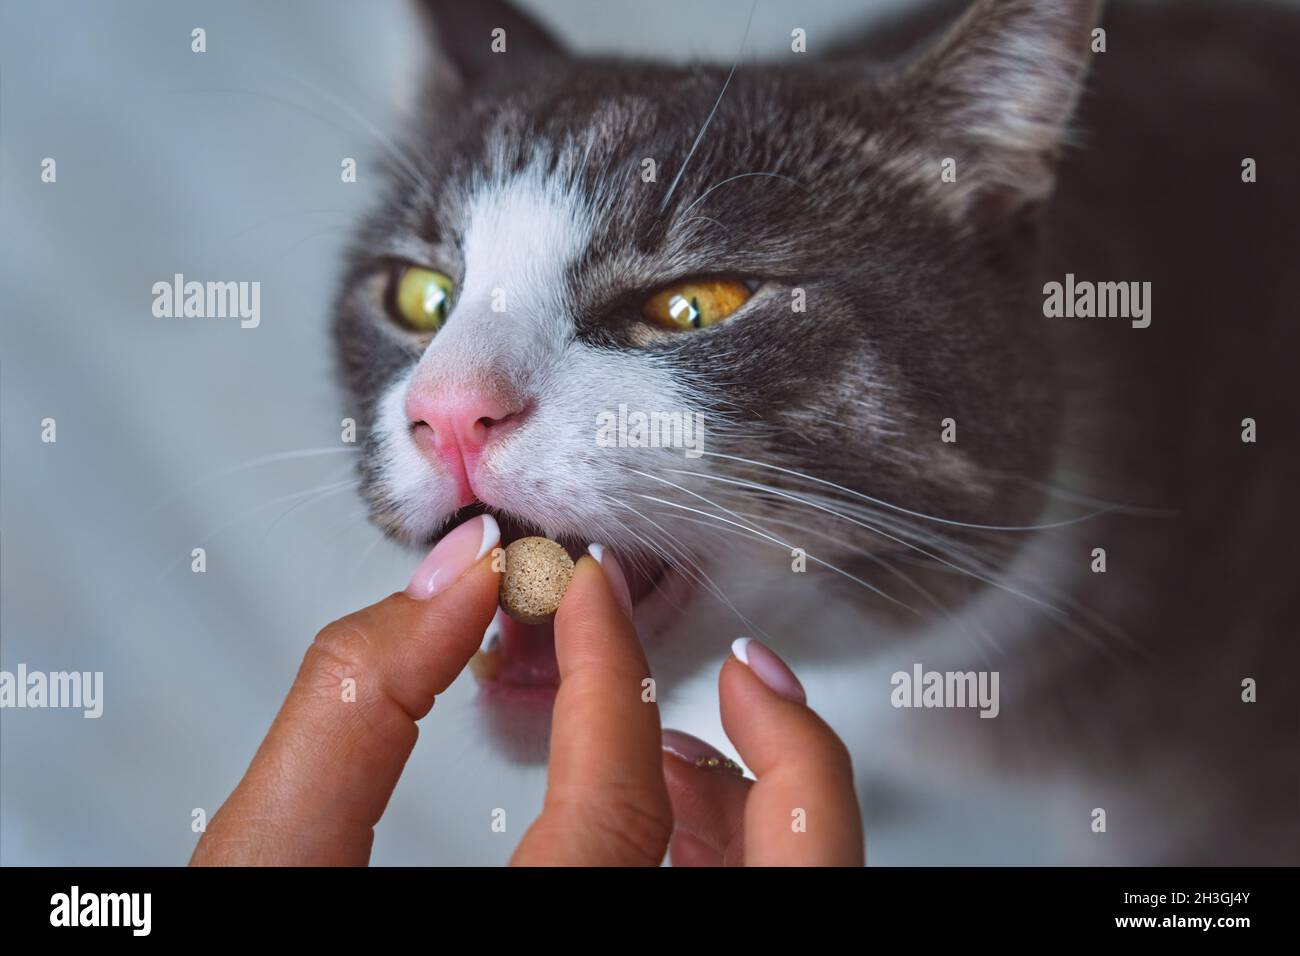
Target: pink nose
{"type": "Point", "coordinates": [456, 428]}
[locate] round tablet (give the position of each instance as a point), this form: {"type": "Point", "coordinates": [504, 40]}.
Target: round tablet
{"type": "Point", "coordinates": [538, 571]}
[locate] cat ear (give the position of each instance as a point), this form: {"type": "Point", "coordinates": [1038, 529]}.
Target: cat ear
{"type": "Point", "coordinates": [990, 102]}
{"type": "Point", "coordinates": [478, 39]}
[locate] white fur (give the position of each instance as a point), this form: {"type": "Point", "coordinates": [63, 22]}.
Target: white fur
{"type": "Point", "coordinates": [523, 233]}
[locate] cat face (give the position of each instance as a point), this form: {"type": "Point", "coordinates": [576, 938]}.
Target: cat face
{"type": "Point", "coordinates": [874, 307]}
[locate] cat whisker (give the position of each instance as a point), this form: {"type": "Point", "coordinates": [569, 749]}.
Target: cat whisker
{"type": "Point", "coordinates": [295, 455]}
{"type": "Point", "coordinates": [404, 164]}
{"type": "Point", "coordinates": [409, 163]}
{"type": "Point", "coordinates": [700, 576]}
{"type": "Point", "coordinates": [866, 584]}
{"type": "Point", "coordinates": [965, 561]}
{"type": "Point", "coordinates": [170, 565]}
{"type": "Point", "coordinates": [370, 548]}
{"type": "Point", "coordinates": [352, 483]}
{"type": "Point", "coordinates": [759, 528]}
{"type": "Point", "coordinates": [732, 179]}
{"type": "Point", "coordinates": [672, 188]}
{"type": "Point", "coordinates": [964, 626]}
{"type": "Point", "coordinates": [704, 219]}
{"type": "Point", "coordinates": [908, 511]}
{"type": "Point", "coordinates": [968, 561]}
{"type": "Point", "coordinates": [907, 544]}
{"type": "Point", "coordinates": [280, 499]}
{"type": "Point", "coordinates": [960, 552]}
{"type": "Point", "coordinates": [683, 562]}
{"type": "Point", "coordinates": [1074, 497]}
{"type": "Point", "coordinates": [1101, 504]}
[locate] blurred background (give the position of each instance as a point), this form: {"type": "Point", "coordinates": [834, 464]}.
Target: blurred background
{"type": "Point", "coordinates": [176, 434]}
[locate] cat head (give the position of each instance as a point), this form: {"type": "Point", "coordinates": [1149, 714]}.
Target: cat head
{"type": "Point", "coordinates": [827, 264]}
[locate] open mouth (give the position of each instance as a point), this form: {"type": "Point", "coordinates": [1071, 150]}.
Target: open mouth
{"type": "Point", "coordinates": [517, 661]}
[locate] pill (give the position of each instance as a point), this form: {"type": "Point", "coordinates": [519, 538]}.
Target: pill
{"type": "Point", "coordinates": [537, 572]}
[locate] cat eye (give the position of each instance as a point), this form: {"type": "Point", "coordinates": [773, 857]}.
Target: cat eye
{"type": "Point", "coordinates": [696, 304]}
{"type": "Point", "coordinates": [421, 298]}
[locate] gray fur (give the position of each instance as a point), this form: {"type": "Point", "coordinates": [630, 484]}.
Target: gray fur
{"type": "Point", "coordinates": [924, 302]}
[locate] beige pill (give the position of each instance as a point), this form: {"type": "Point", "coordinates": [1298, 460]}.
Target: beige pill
{"type": "Point", "coordinates": [538, 571]}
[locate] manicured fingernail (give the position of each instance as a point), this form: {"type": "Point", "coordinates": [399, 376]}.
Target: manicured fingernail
{"type": "Point", "coordinates": [614, 574]}
{"type": "Point", "coordinates": [697, 753]}
{"type": "Point", "coordinates": [458, 551]}
{"type": "Point", "coordinates": [769, 668]}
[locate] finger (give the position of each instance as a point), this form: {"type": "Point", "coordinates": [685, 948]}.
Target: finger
{"type": "Point", "coordinates": [708, 794]}
{"type": "Point", "coordinates": [606, 804]}
{"type": "Point", "coordinates": [802, 811]}
{"type": "Point", "coordinates": [685, 850]}
{"type": "Point", "coordinates": [323, 775]}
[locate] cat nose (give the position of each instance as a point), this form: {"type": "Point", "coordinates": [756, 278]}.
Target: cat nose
{"type": "Point", "coordinates": [456, 427]}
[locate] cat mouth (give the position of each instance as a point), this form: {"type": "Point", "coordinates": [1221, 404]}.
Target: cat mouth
{"type": "Point", "coordinates": [517, 661]}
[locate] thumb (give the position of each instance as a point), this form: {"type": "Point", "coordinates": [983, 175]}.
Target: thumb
{"type": "Point", "coordinates": [324, 773]}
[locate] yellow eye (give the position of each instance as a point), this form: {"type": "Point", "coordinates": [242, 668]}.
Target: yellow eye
{"type": "Point", "coordinates": [422, 298]}
{"type": "Point", "coordinates": [696, 304]}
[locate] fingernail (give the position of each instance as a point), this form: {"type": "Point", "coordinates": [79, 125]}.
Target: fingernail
{"type": "Point", "coordinates": [697, 753]}
{"type": "Point", "coordinates": [458, 551]}
{"type": "Point", "coordinates": [614, 574]}
{"type": "Point", "coordinates": [769, 668]}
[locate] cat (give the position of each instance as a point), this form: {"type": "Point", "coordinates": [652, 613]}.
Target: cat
{"type": "Point", "coordinates": [906, 461]}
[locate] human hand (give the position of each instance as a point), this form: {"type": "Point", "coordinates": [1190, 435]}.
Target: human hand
{"type": "Point", "coordinates": [323, 776]}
